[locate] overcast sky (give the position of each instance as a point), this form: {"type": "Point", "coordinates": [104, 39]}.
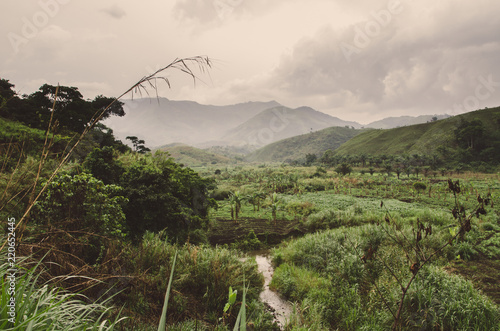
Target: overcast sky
{"type": "Point", "coordinates": [358, 60]}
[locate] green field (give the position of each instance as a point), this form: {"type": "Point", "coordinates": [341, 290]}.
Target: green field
{"type": "Point", "coordinates": [338, 220]}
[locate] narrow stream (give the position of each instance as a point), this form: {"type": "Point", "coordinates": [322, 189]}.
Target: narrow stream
{"type": "Point", "coordinates": [282, 308]}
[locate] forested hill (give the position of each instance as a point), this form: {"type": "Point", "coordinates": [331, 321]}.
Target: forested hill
{"type": "Point", "coordinates": [295, 148]}
{"type": "Point", "coordinates": [465, 138]}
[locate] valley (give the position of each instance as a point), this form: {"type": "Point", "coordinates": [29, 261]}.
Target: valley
{"type": "Point", "coordinates": [363, 228]}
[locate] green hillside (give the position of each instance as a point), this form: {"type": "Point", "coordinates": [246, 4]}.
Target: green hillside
{"type": "Point", "coordinates": [17, 136]}
{"type": "Point", "coordinates": [424, 138]}
{"type": "Point", "coordinates": [297, 147]}
{"type": "Point", "coordinates": [193, 156]}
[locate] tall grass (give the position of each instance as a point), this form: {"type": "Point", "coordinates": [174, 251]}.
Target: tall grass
{"type": "Point", "coordinates": [199, 285]}
{"type": "Point", "coordinates": [441, 300]}
{"type": "Point", "coordinates": [42, 307]}
{"type": "Point", "coordinates": [325, 268]}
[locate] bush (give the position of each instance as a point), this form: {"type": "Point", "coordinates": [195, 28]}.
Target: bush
{"type": "Point", "coordinates": [81, 212]}
{"type": "Point", "coordinates": [315, 187]}
{"type": "Point", "coordinates": [249, 243]}
{"type": "Point", "coordinates": [164, 195]}
{"type": "Point", "coordinates": [448, 302]}
{"type": "Point", "coordinates": [220, 194]}
{"type": "Point", "coordinates": [298, 208]}
{"type": "Point", "coordinates": [419, 186]}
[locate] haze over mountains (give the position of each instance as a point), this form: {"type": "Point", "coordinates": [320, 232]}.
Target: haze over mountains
{"type": "Point", "coordinates": [162, 121]}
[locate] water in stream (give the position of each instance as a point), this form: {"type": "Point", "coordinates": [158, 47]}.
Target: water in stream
{"type": "Point", "coordinates": [282, 308]}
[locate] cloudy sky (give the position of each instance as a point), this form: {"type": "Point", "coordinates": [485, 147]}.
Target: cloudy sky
{"type": "Point", "coordinates": [358, 60]}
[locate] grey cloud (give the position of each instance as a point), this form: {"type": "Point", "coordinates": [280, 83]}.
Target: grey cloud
{"type": "Point", "coordinates": [433, 63]}
{"type": "Point", "coordinates": [115, 11]}
{"type": "Point", "coordinates": [211, 13]}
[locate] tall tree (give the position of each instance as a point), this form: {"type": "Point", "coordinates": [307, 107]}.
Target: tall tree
{"type": "Point", "coordinates": [71, 111]}
{"type": "Point", "coordinates": [469, 134]}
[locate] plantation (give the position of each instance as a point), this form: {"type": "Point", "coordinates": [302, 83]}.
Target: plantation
{"type": "Point", "coordinates": [108, 237]}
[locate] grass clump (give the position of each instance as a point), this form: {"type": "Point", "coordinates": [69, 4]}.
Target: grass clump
{"type": "Point", "coordinates": [39, 306]}
{"type": "Point", "coordinates": [200, 283]}
{"type": "Point", "coordinates": [441, 300]}
{"type": "Point", "coordinates": [359, 292]}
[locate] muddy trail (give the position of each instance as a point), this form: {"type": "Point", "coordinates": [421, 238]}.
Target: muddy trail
{"type": "Point", "coordinates": [280, 308]}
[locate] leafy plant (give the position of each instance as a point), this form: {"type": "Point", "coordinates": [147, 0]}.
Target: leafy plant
{"type": "Point", "coordinates": [163, 319]}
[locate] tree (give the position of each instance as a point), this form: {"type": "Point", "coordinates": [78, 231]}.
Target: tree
{"type": "Point", "coordinates": [344, 169]}
{"type": "Point", "coordinates": [6, 92]}
{"type": "Point", "coordinates": [469, 133]}
{"type": "Point", "coordinates": [235, 200]}
{"type": "Point", "coordinates": [71, 111]}
{"type": "Point", "coordinates": [255, 199]}
{"type": "Point", "coordinates": [138, 145]}
{"type": "Point", "coordinates": [274, 207]}
{"type": "Point", "coordinates": [363, 158]}
{"type": "Point", "coordinates": [103, 165]}
{"type": "Point", "coordinates": [104, 136]}
{"type": "Point", "coordinates": [327, 158]}
{"type": "Point", "coordinates": [100, 103]}
{"type": "Point", "coordinates": [398, 171]}
{"type": "Point", "coordinates": [388, 168]}
{"type": "Point", "coordinates": [164, 195]}
{"type": "Point", "coordinates": [407, 171]}
{"type": "Point", "coordinates": [310, 158]}
{"type": "Point", "coordinates": [416, 169]}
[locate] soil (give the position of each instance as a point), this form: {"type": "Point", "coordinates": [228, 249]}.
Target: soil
{"type": "Point", "coordinates": [228, 231]}
{"type": "Point", "coordinates": [484, 274]}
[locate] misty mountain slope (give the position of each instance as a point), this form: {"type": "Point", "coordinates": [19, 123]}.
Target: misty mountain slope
{"type": "Point", "coordinates": [297, 147]}
{"type": "Point", "coordinates": [417, 139]}
{"type": "Point", "coordinates": [394, 122]}
{"type": "Point", "coordinates": [280, 123]}
{"type": "Point", "coordinates": [162, 121]}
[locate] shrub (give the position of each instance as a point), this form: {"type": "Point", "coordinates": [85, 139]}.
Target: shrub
{"type": "Point", "coordinates": [299, 208]}
{"type": "Point", "coordinates": [162, 194]}
{"type": "Point", "coordinates": [249, 243]}
{"type": "Point", "coordinates": [344, 169]}
{"type": "Point", "coordinates": [220, 194]}
{"type": "Point", "coordinates": [82, 214]}
{"type": "Point", "coordinates": [419, 186]}
{"type": "Point", "coordinates": [445, 301]}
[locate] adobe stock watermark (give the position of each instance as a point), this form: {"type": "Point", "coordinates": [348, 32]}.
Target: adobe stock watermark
{"type": "Point", "coordinates": [483, 91]}
{"type": "Point", "coordinates": [277, 123]}
{"type": "Point", "coordinates": [363, 36]}
{"type": "Point", "coordinates": [224, 8]}
{"type": "Point", "coordinates": [32, 26]}
{"type": "Point", "coordinates": [11, 274]}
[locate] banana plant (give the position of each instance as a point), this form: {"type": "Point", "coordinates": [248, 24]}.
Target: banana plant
{"type": "Point", "coordinates": [235, 200]}
{"type": "Point", "coordinates": [274, 207]}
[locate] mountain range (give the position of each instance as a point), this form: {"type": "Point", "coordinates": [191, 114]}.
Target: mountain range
{"type": "Point", "coordinates": [160, 121]}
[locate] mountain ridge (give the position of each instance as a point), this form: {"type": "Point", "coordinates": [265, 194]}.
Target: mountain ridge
{"type": "Point", "coordinates": [160, 121]}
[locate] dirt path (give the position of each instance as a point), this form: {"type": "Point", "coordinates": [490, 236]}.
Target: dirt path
{"type": "Point", "coordinates": [281, 308]}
